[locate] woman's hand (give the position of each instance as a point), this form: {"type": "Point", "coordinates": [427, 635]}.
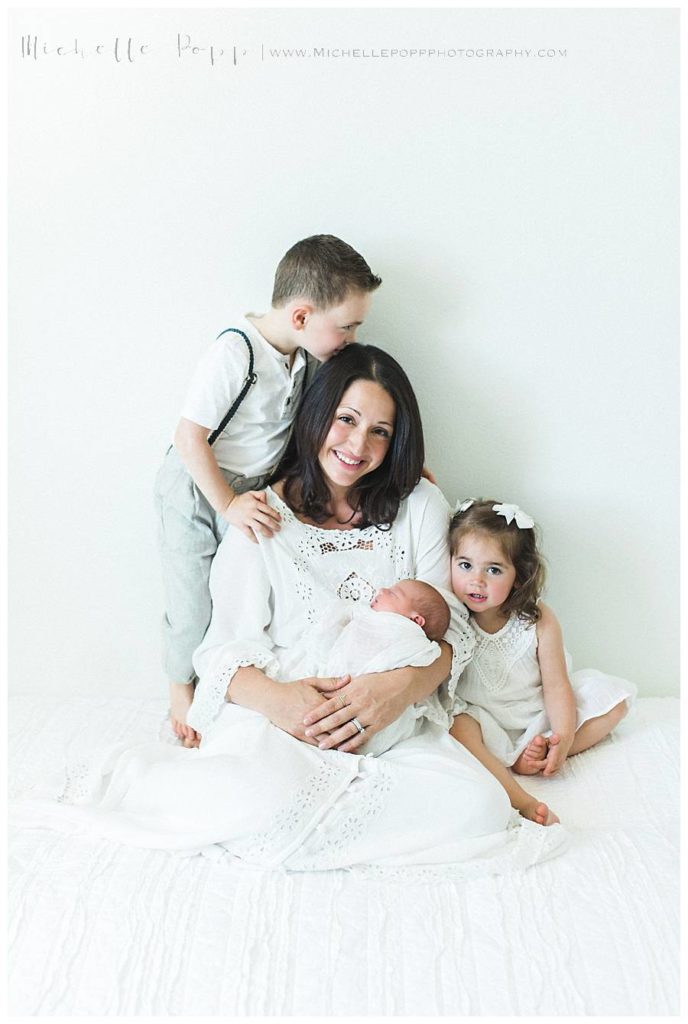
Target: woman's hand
{"type": "Point", "coordinates": [375, 701]}
{"type": "Point", "coordinates": [288, 704]}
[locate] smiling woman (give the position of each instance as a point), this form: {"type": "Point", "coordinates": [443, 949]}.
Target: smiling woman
{"type": "Point", "coordinates": [357, 449]}
{"type": "Point", "coordinates": [278, 779]}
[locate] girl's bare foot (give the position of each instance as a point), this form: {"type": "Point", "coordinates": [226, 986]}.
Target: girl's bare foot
{"type": "Point", "coordinates": [538, 812]}
{"type": "Point", "coordinates": [534, 757]}
{"type": "Point", "coordinates": [181, 696]}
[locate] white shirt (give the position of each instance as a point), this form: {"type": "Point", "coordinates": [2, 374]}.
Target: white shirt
{"type": "Point", "coordinates": [254, 438]}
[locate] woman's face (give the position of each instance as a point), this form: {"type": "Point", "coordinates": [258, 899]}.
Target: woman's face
{"type": "Point", "coordinates": [359, 435]}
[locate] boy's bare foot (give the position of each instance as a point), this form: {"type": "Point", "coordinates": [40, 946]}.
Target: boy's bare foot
{"type": "Point", "coordinates": [181, 696]}
{"type": "Point", "coordinates": [538, 812]}
{"type": "Point", "coordinates": [534, 757]}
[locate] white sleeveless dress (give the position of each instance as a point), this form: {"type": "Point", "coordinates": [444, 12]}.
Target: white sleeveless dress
{"type": "Point", "coordinates": [502, 688]}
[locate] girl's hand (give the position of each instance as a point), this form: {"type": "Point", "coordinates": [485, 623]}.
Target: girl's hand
{"type": "Point", "coordinates": [290, 703]}
{"type": "Point", "coordinates": [556, 754]}
{"type": "Point", "coordinates": [251, 514]}
{"type": "Point", "coordinates": [375, 700]}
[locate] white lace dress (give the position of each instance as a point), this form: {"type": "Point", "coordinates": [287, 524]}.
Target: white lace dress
{"type": "Point", "coordinates": [252, 791]}
{"type": "Point", "coordinates": [502, 687]}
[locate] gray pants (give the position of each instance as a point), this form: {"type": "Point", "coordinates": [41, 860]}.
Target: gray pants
{"type": "Point", "coordinates": [189, 531]}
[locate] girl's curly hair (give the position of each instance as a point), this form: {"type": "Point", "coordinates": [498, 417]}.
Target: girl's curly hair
{"type": "Point", "coordinates": [520, 546]}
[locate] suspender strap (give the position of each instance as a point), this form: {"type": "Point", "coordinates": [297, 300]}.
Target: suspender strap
{"type": "Point", "coordinates": [251, 379]}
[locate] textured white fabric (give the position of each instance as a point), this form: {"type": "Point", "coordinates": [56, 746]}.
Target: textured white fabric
{"type": "Point", "coordinates": [274, 801]}
{"type": "Point", "coordinates": [254, 438]}
{"type": "Point", "coordinates": [288, 578]}
{"type": "Point", "coordinates": [97, 929]}
{"type": "Point", "coordinates": [502, 687]}
{"type": "Point", "coordinates": [358, 640]}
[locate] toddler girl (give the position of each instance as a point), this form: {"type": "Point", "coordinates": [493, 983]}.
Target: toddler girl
{"type": "Point", "coordinates": [522, 704]}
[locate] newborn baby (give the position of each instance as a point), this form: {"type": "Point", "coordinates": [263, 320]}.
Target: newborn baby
{"type": "Point", "coordinates": [400, 627]}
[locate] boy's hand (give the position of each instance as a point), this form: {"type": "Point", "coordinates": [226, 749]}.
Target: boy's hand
{"type": "Point", "coordinates": [251, 514]}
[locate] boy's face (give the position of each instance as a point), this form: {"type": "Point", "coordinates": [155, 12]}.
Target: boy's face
{"type": "Point", "coordinates": [324, 332]}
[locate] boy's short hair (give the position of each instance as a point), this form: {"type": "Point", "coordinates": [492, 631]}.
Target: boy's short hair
{"type": "Point", "coordinates": [434, 609]}
{"type": "Point", "coordinates": [323, 269]}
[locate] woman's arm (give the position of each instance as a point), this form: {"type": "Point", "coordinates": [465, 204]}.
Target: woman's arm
{"type": "Point", "coordinates": [560, 703]}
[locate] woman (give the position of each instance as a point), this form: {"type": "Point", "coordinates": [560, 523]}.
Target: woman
{"type": "Point", "coordinates": [276, 781]}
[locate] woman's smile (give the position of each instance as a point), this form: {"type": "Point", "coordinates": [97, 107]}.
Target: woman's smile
{"type": "Point", "coordinates": [348, 460]}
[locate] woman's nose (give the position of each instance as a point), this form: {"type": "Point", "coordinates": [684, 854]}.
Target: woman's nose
{"type": "Point", "coordinates": [357, 440]}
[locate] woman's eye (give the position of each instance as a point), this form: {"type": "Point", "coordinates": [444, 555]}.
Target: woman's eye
{"type": "Point", "coordinates": [381, 432]}
{"type": "Point", "coordinates": [345, 419]}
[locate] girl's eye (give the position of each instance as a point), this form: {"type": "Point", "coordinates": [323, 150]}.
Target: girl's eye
{"type": "Point", "coordinates": [464, 565]}
{"type": "Point", "coordinates": [494, 571]}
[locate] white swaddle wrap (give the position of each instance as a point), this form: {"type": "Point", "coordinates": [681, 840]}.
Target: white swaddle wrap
{"type": "Point", "coordinates": [354, 639]}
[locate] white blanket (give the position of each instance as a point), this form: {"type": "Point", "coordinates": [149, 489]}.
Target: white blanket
{"type": "Point", "coordinates": [113, 930]}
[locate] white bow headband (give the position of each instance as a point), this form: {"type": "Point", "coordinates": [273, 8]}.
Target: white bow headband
{"type": "Point", "coordinates": [510, 512]}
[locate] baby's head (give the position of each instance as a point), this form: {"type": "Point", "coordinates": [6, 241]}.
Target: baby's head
{"type": "Point", "coordinates": [417, 601]}
{"type": "Point", "coordinates": [323, 291]}
{"type": "Point", "coordinates": [495, 560]}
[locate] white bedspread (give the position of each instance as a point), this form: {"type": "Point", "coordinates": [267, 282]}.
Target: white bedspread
{"type": "Point", "coordinates": [98, 929]}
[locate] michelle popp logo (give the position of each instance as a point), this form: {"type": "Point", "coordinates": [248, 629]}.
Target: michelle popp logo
{"type": "Point", "coordinates": [128, 50]}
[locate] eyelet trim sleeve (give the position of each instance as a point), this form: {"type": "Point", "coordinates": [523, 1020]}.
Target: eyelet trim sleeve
{"type": "Point", "coordinates": [211, 691]}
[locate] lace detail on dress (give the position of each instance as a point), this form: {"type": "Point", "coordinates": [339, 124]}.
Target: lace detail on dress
{"type": "Point", "coordinates": [212, 689]}
{"type": "Point", "coordinates": [355, 588]}
{"type": "Point", "coordinates": [311, 565]}
{"type": "Point", "coordinates": [78, 787]}
{"type": "Point", "coordinates": [496, 653]}
{"type": "Point", "coordinates": [266, 848]}
{"type": "Point", "coordinates": [527, 844]}
{"type": "Point", "coordinates": [327, 547]}
{"type": "Point", "coordinates": [329, 845]}
{"type": "Point", "coordinates": [463, 646]}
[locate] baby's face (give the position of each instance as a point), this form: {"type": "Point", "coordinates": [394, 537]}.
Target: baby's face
{"type": "Point", "coordinates": [397, 599]}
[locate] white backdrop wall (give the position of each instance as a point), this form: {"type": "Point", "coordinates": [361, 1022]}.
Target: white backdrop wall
{"type": "Point", "coordinates": [521, 210]}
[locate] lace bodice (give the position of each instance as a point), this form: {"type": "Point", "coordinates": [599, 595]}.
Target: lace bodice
{"type": "Point", "coordinates": [503, 675]}
{"type": "Point", "coordinates": [496, 655]}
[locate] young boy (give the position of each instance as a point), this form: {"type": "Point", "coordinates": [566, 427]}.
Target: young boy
{"type": "Point", "coordinates": [321, 295]}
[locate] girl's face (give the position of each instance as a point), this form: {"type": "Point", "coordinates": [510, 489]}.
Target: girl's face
{"type": "Point", "coordinates": [482, 575]}
{"type": "Point", "coordinates": [359, 435]}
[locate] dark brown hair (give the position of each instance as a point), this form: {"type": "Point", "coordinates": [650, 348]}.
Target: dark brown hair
{"type": "Point", "coordinates": [432, 606]}
{"type": "Point", "coordinates": [377, 495]}
{"type": "Point", "coordinates": [323, 269]}
{"type": "Point", "coordinates": [520, 546]}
